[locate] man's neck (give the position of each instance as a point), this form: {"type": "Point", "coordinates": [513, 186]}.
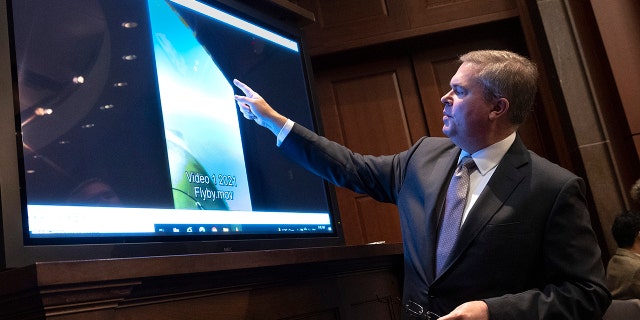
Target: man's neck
{"type": "Point", "coordinates": [635, 248]}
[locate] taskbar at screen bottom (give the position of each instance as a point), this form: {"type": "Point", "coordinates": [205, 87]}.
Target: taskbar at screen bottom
{"type": "Point", "coordinates": [182, 229]}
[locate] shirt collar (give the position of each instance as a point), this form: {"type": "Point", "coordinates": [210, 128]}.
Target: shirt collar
{"type": "Point", "coordinates": [627, 252]}
{"type": "Point", "coordinates": [488, 158]}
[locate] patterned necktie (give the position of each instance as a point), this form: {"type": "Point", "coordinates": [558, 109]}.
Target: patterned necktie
{"type": "Point", "coordinates": [454, 207]}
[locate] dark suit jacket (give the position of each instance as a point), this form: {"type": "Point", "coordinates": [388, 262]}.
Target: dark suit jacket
{"type": "Point", "coordinates": [527, 247]}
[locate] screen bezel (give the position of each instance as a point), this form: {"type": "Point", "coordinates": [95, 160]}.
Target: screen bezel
{"type": "Point", "coordinates": [15, 252]}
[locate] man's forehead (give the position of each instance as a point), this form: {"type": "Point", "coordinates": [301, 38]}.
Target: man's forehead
{"type": "Point", "coordinates": [465, 75]}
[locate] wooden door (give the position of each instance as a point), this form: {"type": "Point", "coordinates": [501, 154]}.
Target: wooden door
{"type": "Point", "coordinates": [371, 106]}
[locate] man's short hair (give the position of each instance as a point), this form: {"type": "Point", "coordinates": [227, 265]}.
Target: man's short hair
{"type": "Point", "coordinates": [505, 74]}
{"type": "Point", "coordinates": [625, 228]}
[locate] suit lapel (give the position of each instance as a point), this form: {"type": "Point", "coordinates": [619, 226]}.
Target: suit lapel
{"type": "Point", "coordinates": [502, 184]}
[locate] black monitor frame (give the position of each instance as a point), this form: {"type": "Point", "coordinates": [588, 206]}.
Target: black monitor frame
{"type": "Point", "coordinates": [16, 250]}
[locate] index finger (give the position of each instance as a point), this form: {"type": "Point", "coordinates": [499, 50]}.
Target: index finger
{"type": "Point", "coordinates": [247, 91]}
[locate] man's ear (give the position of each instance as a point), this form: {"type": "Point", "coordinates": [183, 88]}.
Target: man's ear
{"type": "Point", "coordinates": [500, 108]}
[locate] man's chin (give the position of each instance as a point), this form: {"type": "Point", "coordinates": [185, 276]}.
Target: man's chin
{"type": "Point", "coordinates": [446, 131]}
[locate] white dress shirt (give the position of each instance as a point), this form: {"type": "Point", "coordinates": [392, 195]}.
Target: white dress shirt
{"type": "Point", "coordinates": [487, 161]}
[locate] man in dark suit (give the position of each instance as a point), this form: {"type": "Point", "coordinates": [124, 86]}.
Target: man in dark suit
{"type": "Point", "coordinates": [525, 250]}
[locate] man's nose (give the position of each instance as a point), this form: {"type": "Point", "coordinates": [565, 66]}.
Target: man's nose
{"type": "Point", "coordinates": [445, 98]}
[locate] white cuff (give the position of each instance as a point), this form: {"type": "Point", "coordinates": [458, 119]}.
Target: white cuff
{"type": "Point", "coordinates": [284, 132]}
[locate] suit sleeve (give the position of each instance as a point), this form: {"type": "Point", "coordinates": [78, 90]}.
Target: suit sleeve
{"type": "Point", "coordinates": [377, 176]}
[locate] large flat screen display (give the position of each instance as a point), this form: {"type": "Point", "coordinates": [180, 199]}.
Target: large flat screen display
{"type": "Point", "coordinates": [128, 141]}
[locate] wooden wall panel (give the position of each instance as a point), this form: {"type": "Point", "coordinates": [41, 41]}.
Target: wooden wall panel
{"type": "Point", "coordinates": [339, 22]}
{"type": "Point", "coordinates": [617, 23]}
{"type": "Point", "coordinates": [367, 306]}
{"type": "Point", "coordinates": [346, 282]}
{"type": "Point", "coordinates": [347, 24]}
{"type": "Point", "coordinates": [434, 12]}
{"type": "Point", "coordinates": [372, 108]}
{"type": "Point", "coordinates": [375, 221]}
{"type": "Point", "coordinates": [371, 113]}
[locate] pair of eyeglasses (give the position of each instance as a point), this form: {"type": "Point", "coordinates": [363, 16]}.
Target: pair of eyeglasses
{"type": "Point", "coordinates": [417, 311]}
